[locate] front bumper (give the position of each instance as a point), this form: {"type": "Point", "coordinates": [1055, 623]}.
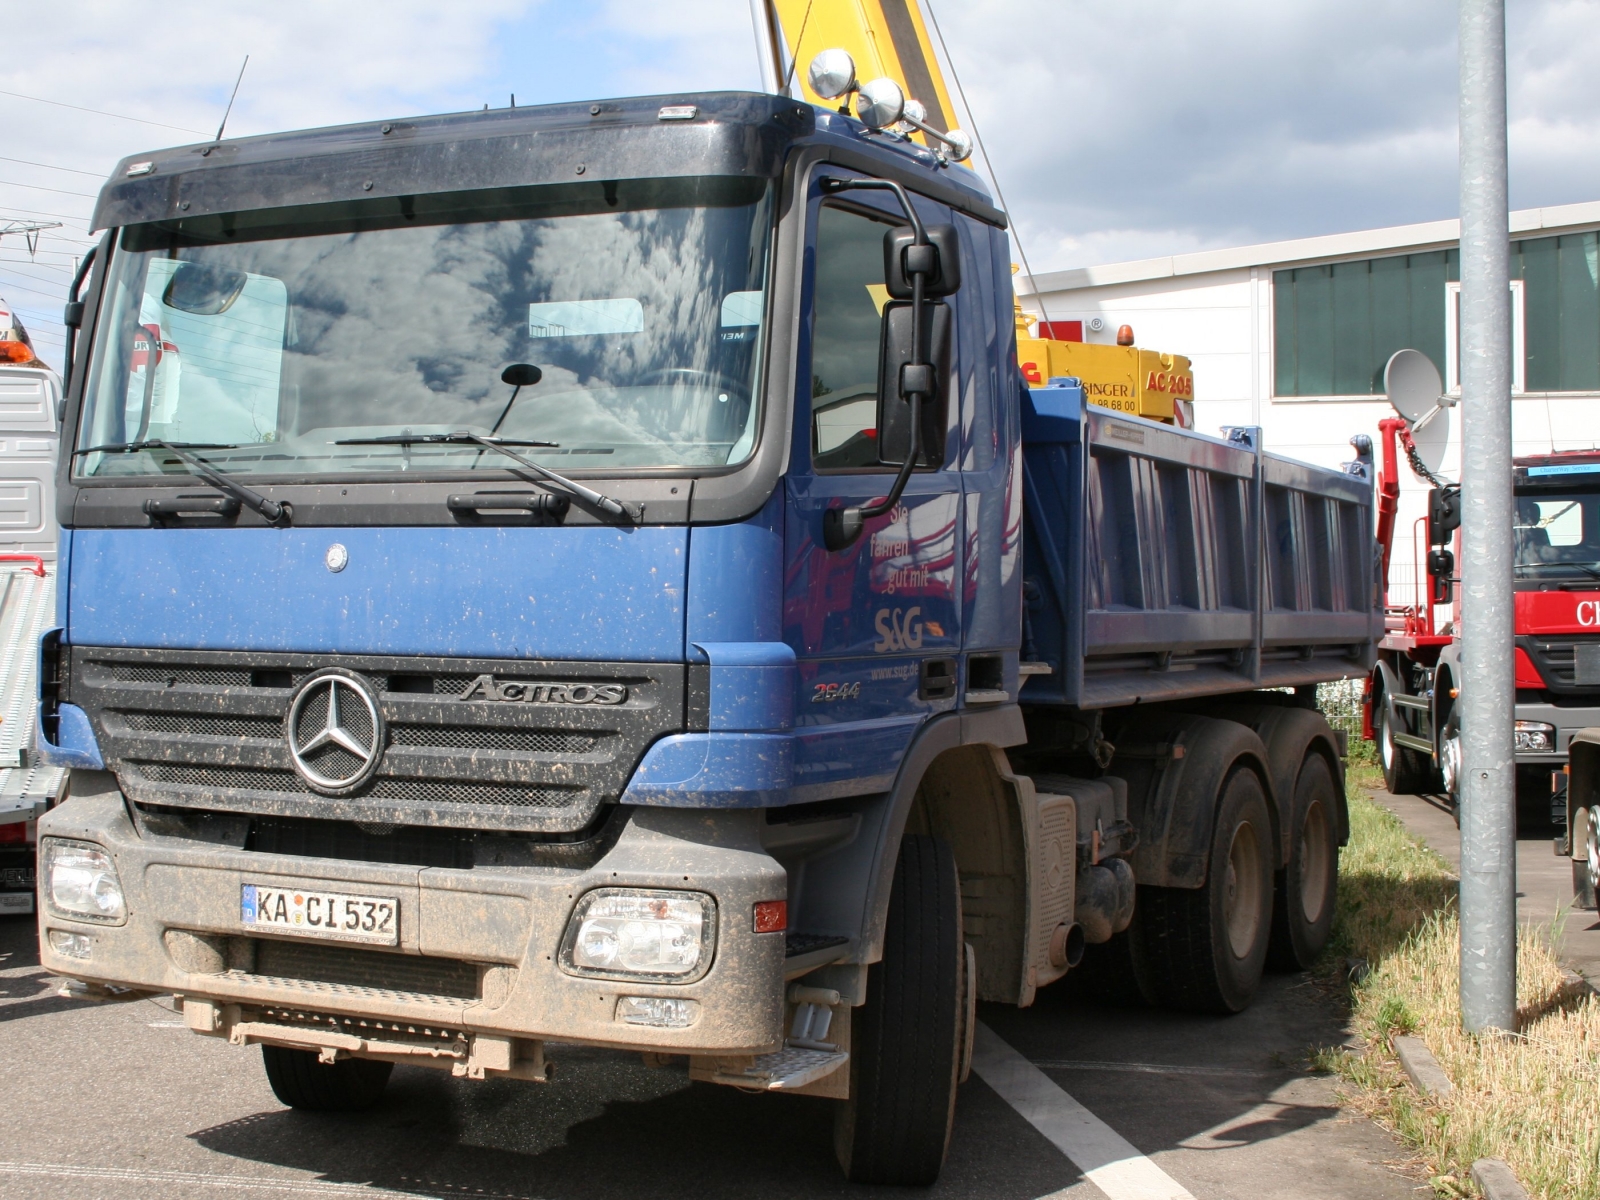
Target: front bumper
{"type": "Point", "coordinates": [501, 927]}
{"type": "Point", "coordinates": [1567, 721]}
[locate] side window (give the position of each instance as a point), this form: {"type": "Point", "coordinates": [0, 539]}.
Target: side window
{"type": "Point", "coordinates": [846, 338]}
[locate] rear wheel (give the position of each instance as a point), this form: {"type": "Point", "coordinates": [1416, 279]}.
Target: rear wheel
{"type": "Point", "coordinates": [1302, 912]}
{"type": "Point", "coordinates": [906, 1041]}
{"type": "Point", "coordinates": [1406, 772]}
{"type": "Point", "coordinates": [1203, 949]}
{"type": "Point", "coordinates": [302, 1081]}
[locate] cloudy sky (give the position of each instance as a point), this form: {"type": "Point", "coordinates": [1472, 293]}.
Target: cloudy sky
{"type": "Point", "coordinates": [1118, 131]}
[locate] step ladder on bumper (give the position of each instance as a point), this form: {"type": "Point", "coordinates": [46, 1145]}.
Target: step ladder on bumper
{"type": "Point", "coordinates": [806, 1057]}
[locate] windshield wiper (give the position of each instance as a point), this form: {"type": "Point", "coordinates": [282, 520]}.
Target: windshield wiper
{"type": "Point", "coordinates": [273, 511]}
{"type": "Point", "coordinates": [463, 437]}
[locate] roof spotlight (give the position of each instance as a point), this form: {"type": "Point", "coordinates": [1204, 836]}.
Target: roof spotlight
{"type": "Point", "coordinates": [832, 74]}
{"type": "Point", "coordinates": [880, 103]}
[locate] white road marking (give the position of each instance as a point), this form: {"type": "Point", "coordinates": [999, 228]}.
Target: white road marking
{"type": "Point", "coordinates": [1073, 1064]}
{"type": "Point", "coordinates": [1105, 1157]}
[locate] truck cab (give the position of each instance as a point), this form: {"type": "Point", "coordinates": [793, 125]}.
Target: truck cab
{"type": "Point", "coordinates": [1556, 576]}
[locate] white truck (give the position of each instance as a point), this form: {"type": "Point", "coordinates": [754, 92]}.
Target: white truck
{"type": "Point", "coordinates": [30, 394]}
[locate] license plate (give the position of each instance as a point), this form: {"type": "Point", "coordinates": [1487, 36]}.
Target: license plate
{"type": "Point", "coordinates": [16, 902]}
{"type": "Point", "coordinates": [335, 915]}
{"type": "Point", "coordinates": [1586, 663]}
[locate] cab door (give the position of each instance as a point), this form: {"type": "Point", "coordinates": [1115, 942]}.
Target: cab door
{"type": "Point", "coordinates": [876, 626]}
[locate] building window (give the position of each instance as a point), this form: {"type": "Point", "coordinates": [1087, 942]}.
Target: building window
{"type": "Point", "coordinates": [1335, 326]}
{"type": "Point", "coordinates": [1452, 337]}
{"type": "Point", "coordinates": [1562, 311]}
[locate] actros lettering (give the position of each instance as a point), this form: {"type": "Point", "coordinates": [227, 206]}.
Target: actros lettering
{"type": "Point", "coordinates": [898, 629]}
{"type": "Point", "coordinates": [487, 687]}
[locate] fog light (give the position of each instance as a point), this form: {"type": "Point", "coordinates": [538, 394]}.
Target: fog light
{"type": "Point", "coordinates": [81, 881]}
{"type": "Point", "coordinates": [628, 933]}
{"type": "Point", "coordinates": [73, 945]}
{"type": "Point", "coordinates": [658, 1012]}
{"type": "Point", "coordinates": [1535, 737]}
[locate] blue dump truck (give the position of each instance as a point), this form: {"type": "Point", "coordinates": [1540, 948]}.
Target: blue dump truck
{"type": "Point", "coordinates": [594, 574]}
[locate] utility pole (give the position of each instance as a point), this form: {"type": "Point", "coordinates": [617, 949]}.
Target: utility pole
{"type": "Point", "coordinates": [1488, 694]}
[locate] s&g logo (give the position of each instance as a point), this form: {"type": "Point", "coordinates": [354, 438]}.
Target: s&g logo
{"type": "Point", "coordinates": [898, 629]}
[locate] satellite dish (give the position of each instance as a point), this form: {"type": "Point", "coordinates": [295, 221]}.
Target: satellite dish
{"type": "Point", "coordinates": [1417, 393]}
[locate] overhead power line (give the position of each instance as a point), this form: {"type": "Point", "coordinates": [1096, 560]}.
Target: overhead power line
{"type": "Point", "coordinates": [27, 162]}
{"type": "Point", "coordinates": [39, 187]}
{"type": "Point", "coordinates": [39, 212]}
{"type": "Point", "coordinates": [101, 112]}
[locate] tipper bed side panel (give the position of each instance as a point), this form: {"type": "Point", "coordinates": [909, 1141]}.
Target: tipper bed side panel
{"type": "Point", "coordinates": [1163, 563]}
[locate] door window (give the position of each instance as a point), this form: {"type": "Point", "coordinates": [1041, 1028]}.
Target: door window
{"type": "Point", "coordinates": [846, 339]}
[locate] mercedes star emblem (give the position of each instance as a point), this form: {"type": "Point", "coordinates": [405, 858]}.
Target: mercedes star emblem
{"type": "Point", "coordinates": [335, 732]}
{"type": "Point", "coordinates": [337, 558]}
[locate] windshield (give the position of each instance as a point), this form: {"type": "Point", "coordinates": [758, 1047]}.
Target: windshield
{"type": "Point", "coordinates": [1558, 537]}
{"type": "Point", "coordinates": [641, 310]}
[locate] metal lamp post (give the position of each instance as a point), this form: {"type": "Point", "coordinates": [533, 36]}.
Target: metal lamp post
{"type": "Point", "coordinates": [1488, 694]}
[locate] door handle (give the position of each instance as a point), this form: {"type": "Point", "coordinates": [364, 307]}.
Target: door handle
{"type": "Point", "coordinates": [225, 507]}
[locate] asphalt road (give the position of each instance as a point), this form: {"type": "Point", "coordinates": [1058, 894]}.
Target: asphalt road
{"type": "Point", "coordinates": [119, 1101]}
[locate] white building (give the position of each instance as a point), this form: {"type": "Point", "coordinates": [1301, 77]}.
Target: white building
{"type": "Point", "coordinates": [1293, 336]}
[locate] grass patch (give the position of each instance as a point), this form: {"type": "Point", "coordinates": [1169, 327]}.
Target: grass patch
{"type": "Point", "coordinates": [1531, 1098]}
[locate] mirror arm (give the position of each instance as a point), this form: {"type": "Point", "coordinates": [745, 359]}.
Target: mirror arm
{"type": "Point", "coordinates": [842, 526]}
{"type": "Point", "coordinates": [832, 185]}
{"type": "Point", "coordinates": [74, 317]}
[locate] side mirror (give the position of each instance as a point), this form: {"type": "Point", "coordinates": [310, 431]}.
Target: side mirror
{"type": "Point", "coordinates": [894, 408]}
{"type": "Point", "coordinates": [941, 258]}
{"type": "Point", "coordinates": [1441, 566]}
{"type": "Point", "coordinates": [1444, 514]}
{"type": "Point", "coordinates": [203, 289]}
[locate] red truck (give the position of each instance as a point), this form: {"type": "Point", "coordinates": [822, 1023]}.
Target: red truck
{"type": "Point", "coordinates": [1411, 693]}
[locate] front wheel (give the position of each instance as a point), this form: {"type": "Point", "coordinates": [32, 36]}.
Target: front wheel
{"type": "Point", "coordinates": [906, 1041]}
{"type": "Point", "coordinates": [1306, 888]}
{"type": "Point", "coordinates": [1406, 772]}
{"type": "Point", "coordinates": [1586, 857]}
{"type": "Point", "coordinates": [301, 1080]}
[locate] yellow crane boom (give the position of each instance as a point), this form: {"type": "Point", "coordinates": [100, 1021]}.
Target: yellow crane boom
{"type": "Point", "coordinates": [889, 39]}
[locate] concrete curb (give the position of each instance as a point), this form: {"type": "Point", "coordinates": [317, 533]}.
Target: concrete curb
{"type": "Point", "coordinates": [1497, 1181]}
{"type": "Point", "coordinates": [1427, 1076]}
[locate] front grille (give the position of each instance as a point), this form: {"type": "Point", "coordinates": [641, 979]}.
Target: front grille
{"type": "Point", "coordinates": [1557, 660]}
{"type": "Point", "coordinates": [418, 791]}
{"type": "Point", "coordinates": [536, 741]}
{"type": "Point", "coordinates": [196, 725]}
{"type": "Point", "coordinates": [206, 730]}
{"type": "Point", "coordinates": [172, 676]}
{"type": "Point", "coordinates": [319, 962]}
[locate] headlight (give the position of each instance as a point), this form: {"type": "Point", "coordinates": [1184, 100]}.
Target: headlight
{"type": "Point", "coordinates": [629, 933]}
{"type": "Point", "coordinates": [81, 881]}
{"type": "Point", "coordinates": [1535, 736]}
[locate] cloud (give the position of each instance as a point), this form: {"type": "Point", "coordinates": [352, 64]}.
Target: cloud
{"type": "Point", "coordinates": [1118, 130]}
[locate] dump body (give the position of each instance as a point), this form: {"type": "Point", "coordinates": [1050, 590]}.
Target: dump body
{"type": "Point", "coordinates": [388, 741]}
{"type": "Point", "coordinates": [1166, 565]}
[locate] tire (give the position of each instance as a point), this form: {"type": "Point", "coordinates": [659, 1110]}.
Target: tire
{"type": "Point", "coordinates": [1306, 889]}
{"type": "Point", "coordinates": [1406, 772]}
{"type": "Point", "coordinates": [1203, 949]}
{"type": "Point", "coordinates": [906, 1040]}
{"type": "Point", "coordinates": [1450, 761]}
{"type": "Point", "coordinates": [1586, 861]}
{"type": "Point", "coordinates": [301, 1081]}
